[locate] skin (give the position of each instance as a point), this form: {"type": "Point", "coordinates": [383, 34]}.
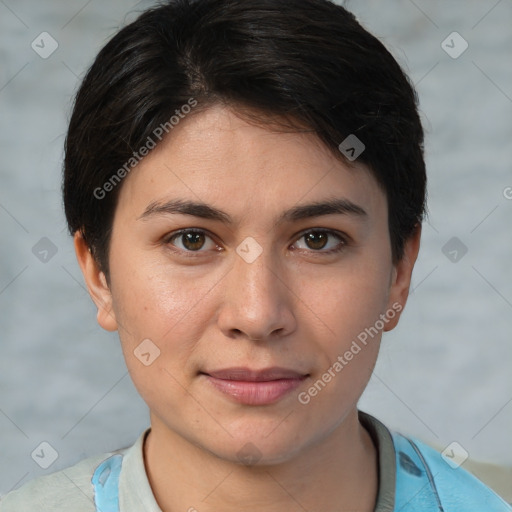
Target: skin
{"type": "Point", "coordinates": [294, 306]}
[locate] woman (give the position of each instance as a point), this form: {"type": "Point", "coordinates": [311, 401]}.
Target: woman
{"type": "Point", "coordinates": [245, 184]}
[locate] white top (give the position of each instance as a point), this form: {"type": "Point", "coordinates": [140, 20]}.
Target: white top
{"type": "Point", "coordinates": [71, 489]}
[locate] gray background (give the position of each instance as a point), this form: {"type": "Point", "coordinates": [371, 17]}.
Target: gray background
{"type": "Point", "coordinates": [443, 374]}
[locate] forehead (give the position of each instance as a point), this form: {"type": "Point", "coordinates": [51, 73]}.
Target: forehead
{"type": "Point", "coordinates": [243, 168]}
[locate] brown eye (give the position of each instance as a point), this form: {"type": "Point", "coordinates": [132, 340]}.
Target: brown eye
{"type": "Point", "coordinates": [191, 241]}
{"type": "Point", "coordinates": [317, 239]}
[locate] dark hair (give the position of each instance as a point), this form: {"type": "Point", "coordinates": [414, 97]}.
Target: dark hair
{"type": "Point", "coordinates": [308, 63]}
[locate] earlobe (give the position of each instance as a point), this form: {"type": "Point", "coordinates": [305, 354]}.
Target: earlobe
{"type": "Point", "coordinates": [401, 278]}
{"type": "Point", "coordinates": [96, 284]}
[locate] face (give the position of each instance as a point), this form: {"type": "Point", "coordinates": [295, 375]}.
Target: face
{"type": "Point", "coordinates": [254, 277]}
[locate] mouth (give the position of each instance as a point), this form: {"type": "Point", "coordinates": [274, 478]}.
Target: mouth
{"type": "Point", "coordinates": [255, 387]}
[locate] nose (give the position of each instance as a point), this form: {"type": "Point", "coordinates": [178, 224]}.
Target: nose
{"type": "Point", "coordinates": [257, 299]}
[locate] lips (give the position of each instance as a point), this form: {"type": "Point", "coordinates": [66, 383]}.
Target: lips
{"type": "Point", "coordinates": [255, 387]}
{"type": "Point", "coordinates": [246, 374]}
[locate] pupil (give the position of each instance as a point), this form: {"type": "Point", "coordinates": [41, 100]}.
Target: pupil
{"type": "Point", "coordinates": [310, 240]}
{"type": "Point", "coordinates": [193, 241]}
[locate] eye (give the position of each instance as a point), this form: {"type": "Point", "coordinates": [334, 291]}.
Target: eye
{"type": "Point", "coordinates": [191, 240]}
{"type": "Point", "coordinates": [317, 239]}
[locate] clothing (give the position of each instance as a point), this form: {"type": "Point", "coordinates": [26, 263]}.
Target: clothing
{"type": "Point", "coordinates": [382, 439]}
{"type": "Point", "coordinates": [401, 463]}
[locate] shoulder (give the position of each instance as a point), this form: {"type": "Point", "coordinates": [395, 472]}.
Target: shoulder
{"type": "Point", "coordinates": [64, 490]}
{"type": "Point", "coordinates": [425, 477]}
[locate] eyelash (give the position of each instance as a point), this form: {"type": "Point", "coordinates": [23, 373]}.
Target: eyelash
{"type": "Point", "coordinates": [340, 247]}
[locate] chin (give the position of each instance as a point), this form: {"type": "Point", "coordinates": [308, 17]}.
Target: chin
{"type": "Point", "coordinates": [262, 449]}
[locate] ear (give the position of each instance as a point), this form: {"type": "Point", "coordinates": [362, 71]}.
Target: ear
{"type": "Point", "coordinates": [96, 284]}
{"type": "Point", "coordinates": [401, 277]}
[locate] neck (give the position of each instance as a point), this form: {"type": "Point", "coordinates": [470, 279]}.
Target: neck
{"type": "Point", "coordinates": [339, 473]}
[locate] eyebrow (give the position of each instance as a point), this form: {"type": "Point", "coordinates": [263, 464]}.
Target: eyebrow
{"type": "Point", "coordinates": [205, 211]}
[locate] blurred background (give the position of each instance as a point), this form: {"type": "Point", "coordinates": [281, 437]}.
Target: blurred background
{"type": "Point", "coordinates": [444, 375]}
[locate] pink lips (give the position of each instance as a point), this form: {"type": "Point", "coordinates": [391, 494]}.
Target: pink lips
{"type": "Point", "coordinates": [255, 387]}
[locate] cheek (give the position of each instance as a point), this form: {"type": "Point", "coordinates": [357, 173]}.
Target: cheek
{"type": "Point", "coordinates": [158, 327]}
{"type": "Point", "coordinates": [349, 299]}
{"type": "Point", "coordinates": [152, 301]}
{"type": "Point", "coordinates": [349, 306]}
{"type": "Point", "coordinates": [151, 295]}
